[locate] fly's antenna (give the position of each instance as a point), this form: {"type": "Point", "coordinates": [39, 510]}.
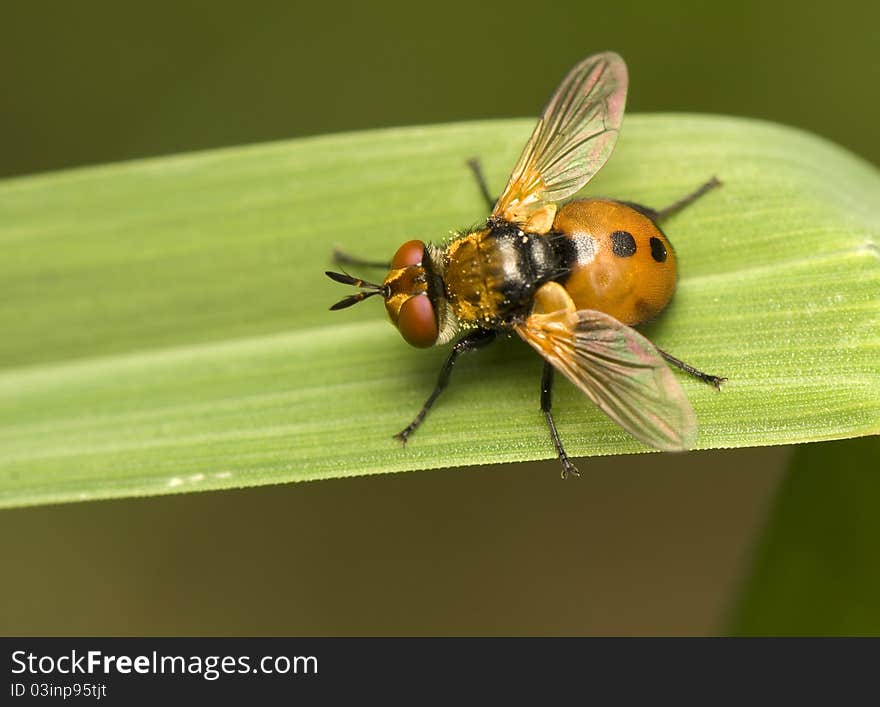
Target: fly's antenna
{"type": "Point", "coordinates": [369, 289]}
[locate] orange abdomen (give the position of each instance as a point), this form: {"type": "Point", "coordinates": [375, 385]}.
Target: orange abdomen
{"type": "Point", "coordinates": [621, 262]}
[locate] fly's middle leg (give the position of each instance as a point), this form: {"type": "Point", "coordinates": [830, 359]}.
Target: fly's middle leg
{"type": "Point", "coordinates": [546, 403]}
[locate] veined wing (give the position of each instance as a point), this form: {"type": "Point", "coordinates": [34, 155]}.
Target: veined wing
{"type": "Point", "coordinates": [574, 137]}
{"type": "Point", "coordinates": [618, 369]}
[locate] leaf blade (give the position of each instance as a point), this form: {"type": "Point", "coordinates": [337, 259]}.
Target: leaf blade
{"type": "Point", "coordinates": [167, 327]}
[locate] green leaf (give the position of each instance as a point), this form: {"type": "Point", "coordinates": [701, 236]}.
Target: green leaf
{"type": "Point", "coordinates": [817, 571]}
{"type": "Point", "coordinates": [165, 326]}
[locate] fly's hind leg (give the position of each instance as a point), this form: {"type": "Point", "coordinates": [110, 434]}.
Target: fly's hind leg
{"type": "Point", "coordinates": [676, 206]}
{"type": "Point", "coordinates": [714, 381]}
{"type": "Point", "coordinates": [546, 404]}
{"type": "Point", "coordinates": [477, 169]}
{"type": "Point", "coordinates": [688, 199]}
{"type": "Point", "coordinates": [474, 340]}
{"type": "Point", "coordinates": [659, 215]}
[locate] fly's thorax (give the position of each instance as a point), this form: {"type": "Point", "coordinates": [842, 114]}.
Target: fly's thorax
{"type": "Point", "coordinates": [491, 274]}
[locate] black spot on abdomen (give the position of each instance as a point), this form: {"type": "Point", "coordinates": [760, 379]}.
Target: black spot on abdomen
{"type": "Point", "coordinates": [623, 245]}
{"type": "Point", "coordinates": [658, 250]}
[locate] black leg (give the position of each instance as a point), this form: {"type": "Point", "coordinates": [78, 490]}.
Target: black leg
{"type": "Point", "coordinates": [477, 169]}
{"type": "Point", "coordinates": [343, 258]}
{"type": "Point", "coordinates": [688, 199]}
{"type": "Point", "coordinates": [474, 340]}
{"type": "Point", "coordinates": [546, 404]}
{"type": "Point", "coordinates": [715, 381]}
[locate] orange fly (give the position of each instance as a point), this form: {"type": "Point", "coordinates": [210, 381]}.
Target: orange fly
{"type": "Point", "coordinates": [570, 278]}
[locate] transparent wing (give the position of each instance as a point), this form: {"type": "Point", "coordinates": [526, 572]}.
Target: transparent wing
{"type": "Point", "coordinates": [574, 137]}
{"type": "Point", "coordinates": [619, 370]}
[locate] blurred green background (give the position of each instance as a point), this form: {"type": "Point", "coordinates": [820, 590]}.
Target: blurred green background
{"type": "Point", "coordinates": [639, 545]}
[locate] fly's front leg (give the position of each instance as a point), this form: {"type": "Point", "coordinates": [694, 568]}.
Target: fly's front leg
{"type": "Point", "coordinates": [474, 340]}
{"type": "Point", "coordinates": [340, 257]}
{"type": "Point", "coordinates": [546, 404]}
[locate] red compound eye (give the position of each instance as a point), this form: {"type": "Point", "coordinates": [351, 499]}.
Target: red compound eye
{"type": "Point", "coordinates": [410, 253]}
{"type": "Point", "coordinates": [417, 323]}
